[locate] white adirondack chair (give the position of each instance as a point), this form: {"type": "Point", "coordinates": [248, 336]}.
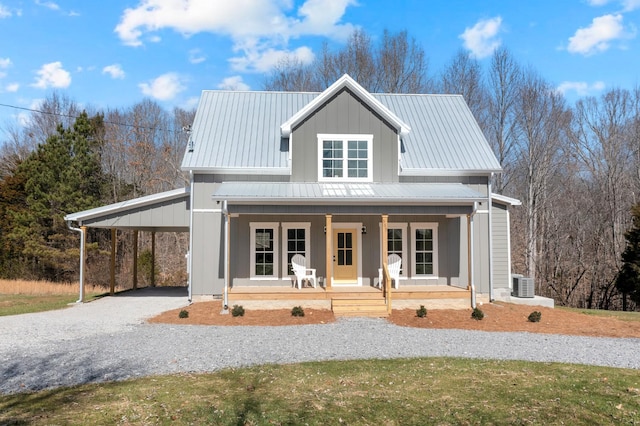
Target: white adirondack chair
{"type": "Point", "coordinates": [394, 263]}
{"type": "Point", "coordinates": [299, 266]}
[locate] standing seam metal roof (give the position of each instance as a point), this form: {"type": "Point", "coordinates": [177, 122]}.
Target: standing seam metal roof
{"type": "Point", "coordinates": [241, 130]}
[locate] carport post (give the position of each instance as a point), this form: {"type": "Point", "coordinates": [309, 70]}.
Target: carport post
{"type": "Point", "coordinates": [112, 266]}
{"type": "Point", "coordinates": [135, 259]}
{"type": "Point", "coordinates": [83, 257]}
{"type": "Point", "coordinates": [153, 259]}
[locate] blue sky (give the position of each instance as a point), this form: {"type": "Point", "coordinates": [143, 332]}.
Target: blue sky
{"type": "Point", "coordinates": [112, 54]}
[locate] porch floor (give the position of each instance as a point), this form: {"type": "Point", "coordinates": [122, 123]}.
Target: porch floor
{"type": "Point", "coordinates": [408, 292]}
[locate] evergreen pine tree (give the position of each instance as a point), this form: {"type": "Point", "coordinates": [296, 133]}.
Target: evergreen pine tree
{"type": "Point", "coordinates": [628, 280]}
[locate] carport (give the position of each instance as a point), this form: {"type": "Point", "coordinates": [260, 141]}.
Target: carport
{"type": "Point", "coordinates": [163, 212]}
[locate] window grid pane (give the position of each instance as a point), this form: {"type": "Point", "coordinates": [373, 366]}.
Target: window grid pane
{"type": "Point", "coordinates": [264, 252]}
{"type": "Point", "coordinates": [296, 244]}
{"type": "Point", "coordinates": [345, 158]}
{"type": "Point", "coordinates": [424, 251]}
{"type": "Point", "coordinates": [394, 245]}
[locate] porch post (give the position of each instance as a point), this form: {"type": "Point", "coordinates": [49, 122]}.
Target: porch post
{"type": "Point", "coordinates": [153, 259]}
{"type": "Point", "coordinates": [328, 252]}
{"type": "Point", "coordinates": [135, 259]}
{"type": "Point", "coordinates": [385, 261]}
{"type": "Point", "coordinates": [83, 259]}
{"type": "Point", "coordinates": [112, 266]}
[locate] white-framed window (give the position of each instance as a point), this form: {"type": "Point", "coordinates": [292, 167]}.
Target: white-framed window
{"type": "Point", "coordinates": [397, 243]}
{"type": "Point", "coordinates": [296, 239]}
{"type": "Point", "coordinates": [424, 240]}
{"type": "Point", "coordinates": [264, 250]}
{"type": "Point", "coordinates": [345, 157]}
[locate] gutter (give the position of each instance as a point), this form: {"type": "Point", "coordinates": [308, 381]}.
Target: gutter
{"type": "Point", "coordinates": [490, 208]}
{"type": "Point", "coordinates": [471, 231]}
{"type": "Point", "coordinates": [225, 214]}
{"type": "Point", "coordinates": [82, 238]}
{"type": "Point", "coordinates": [189, 262]}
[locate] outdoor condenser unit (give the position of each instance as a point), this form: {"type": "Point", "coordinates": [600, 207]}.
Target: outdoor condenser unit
{"type": "Point", "coordinates": [522, 286]}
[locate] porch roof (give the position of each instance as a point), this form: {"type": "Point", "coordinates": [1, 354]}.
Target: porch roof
{"type": "Point", "coordinates": [347, 193]}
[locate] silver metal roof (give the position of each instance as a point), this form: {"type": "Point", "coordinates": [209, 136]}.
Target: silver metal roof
{"type": "Point", "coordinates": [239, 132]}
{"type": "Point", "coordinates": [323, 193]}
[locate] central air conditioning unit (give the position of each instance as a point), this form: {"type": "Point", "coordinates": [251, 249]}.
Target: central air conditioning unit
{"type": "Point", "coordinates": [522, 286]}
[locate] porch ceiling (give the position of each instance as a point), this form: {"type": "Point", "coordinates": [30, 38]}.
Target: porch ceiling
{"type": "Point", "coordinates": [312, 193]}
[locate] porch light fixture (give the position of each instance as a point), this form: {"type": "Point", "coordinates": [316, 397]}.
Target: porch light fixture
{"type": "Point", "coordinates": [364, 229]}
{"type": "Point", "coordinates": [325, 229]}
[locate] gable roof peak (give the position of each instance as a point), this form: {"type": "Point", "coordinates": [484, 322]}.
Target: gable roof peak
{"type": "Point", "coordinates": [346, 81]}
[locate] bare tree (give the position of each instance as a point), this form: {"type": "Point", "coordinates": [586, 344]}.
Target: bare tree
{"type": "Point", "coordinates": [501, 128]}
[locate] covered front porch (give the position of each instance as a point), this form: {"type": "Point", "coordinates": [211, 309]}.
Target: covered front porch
{"type": "Point", "coordinates": [346, 233]}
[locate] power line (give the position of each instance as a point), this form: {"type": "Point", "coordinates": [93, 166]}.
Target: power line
{"type": "Point", "coordinates": [76, 116]}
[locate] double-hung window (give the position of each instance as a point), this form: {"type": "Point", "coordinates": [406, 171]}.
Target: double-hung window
{"type": "Point", "coordinates": [264, 250]}
{"type": "Point", "coordinates": [425, 249]}
{"type": "Point", "coordinates": [345, 157]}
{"type": "Point", "coordinates": [397, 244]}
{"type": "Point", "coordinates": [295, 241]}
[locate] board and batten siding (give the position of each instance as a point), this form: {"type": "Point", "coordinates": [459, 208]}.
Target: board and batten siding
{"type": "Point", "coordinates": [344, 114]}
{"type": "Point", "coordinates": [501, 255]}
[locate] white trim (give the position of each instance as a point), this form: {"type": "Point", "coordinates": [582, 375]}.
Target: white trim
{"type": "Point", "coordinates": [285, 249]}
{"type": "Point", "coordinates": [358, 227]}
{"type": "Point", "coordinates": [424, 225]}
{"type": "Point", "coordinates": [503, 199]}
{"type": "Point", "coordinates": [252, 249]}
{"type": "Point", "coordinates": [510, 283]}
{"type": "Point", "coordinates": [405, 246]}
{"type": "Point", "coordinates": [207, 210]}
{"type": "Point", "coordinates": [345, 138]}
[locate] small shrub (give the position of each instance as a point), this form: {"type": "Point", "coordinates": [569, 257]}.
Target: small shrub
{"type": "Point", "coordinates": [422, 312]}
{"type": "Point", "coordinates": [477, 314]}
{"type": "Point", "coordinates": [237, 311]}
{"type": "Point", "coordinates": [297, 311]}
{"type": "Point", "coordinates": [183, 314]}
{"type": "Point", "coordinates": [535, 316]}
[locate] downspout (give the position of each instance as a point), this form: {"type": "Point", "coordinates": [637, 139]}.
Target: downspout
{"type": "Point", "coordinates": [82, 238]}
{"type": "Point", "coordinates": [225, 213]}
{"type": "Point", "coordinates": [472, 273]}
{"type": "Point", "coordinates": [490, 207]}
{"type": "Point", "coordinates": [189, 261]}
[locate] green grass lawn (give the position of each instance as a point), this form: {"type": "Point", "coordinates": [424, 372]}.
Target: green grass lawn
{"type": "Point", "coordinates": [439, 391]}
{"type": "Point", "coordinates": [14, 304]}
{"type": "Point", "coordinates": [624, 316]}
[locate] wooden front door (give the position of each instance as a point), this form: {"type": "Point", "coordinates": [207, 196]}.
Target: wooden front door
{"type": "Point", "coordinates": [345, 256]}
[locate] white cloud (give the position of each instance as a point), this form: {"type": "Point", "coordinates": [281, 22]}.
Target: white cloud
{"type": "Point", "coordinates": [196, 56]}
{"type": "Point", "coordinates": [12, 87]}
{"type": "Point", "coordinates": [52, 75]}
{"type": "Point", "coordinates": [164, 87]}
{"type": "Point", "coordinates": [4, 64]}
{"type": "Point", "coordinates": [114, 70]}
{"type": "Point", "coordinates": [599, 35]}
{"type": "Point", "coordinates": [260, 60]}
{"type": "Point", "coordinates": [482, 39]}
{"type": "Point", "coordinates": [48, 4]}
{"type": "Point", "coordinates": [258, 28]}
{"type": "Point", "coordinates": [580, 87]}
{"type": "Point", "coordinates": [5, 12]}
{"type": "Point", "coordinates": [630, 5]}
{"type": "Point", "coordinates": [233, 83]}
{"type": "Point", "coordinates": [598, 2]}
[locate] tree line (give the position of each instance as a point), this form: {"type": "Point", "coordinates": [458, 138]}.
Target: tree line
{"type": "Point", "coordinates": [576, 168]}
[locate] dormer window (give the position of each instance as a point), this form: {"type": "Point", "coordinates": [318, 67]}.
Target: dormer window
{"type": "Point", "coordinates": [345, 157]}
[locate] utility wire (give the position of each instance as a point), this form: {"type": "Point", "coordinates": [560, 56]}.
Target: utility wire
{"type": "Point", "coordinates": [76, 116]}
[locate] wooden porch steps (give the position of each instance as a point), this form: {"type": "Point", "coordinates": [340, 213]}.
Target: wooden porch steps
{"type": "Point", "coordinates": [360, 307]}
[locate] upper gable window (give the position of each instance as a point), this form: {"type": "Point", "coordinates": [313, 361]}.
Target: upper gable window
{"type": "Point", "coordinates": [345, 157]}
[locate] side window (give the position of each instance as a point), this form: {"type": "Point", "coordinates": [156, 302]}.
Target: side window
{"type": "Point", "coordinates": [425, 249]}
{"type": "Point", "coordinates": [296, 240]}
{"type": "Point", "coordinates": [264, 250]}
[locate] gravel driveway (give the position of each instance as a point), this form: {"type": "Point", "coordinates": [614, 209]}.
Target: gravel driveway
{"type": "Point", "coordinates": [108, 340]}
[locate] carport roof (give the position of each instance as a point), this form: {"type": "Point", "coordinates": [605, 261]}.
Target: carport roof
{"type": "Point", "coordinates": [163, 211]}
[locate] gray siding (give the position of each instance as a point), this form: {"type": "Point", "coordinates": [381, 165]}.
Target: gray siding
{"type": "Point", "coordinates": [481, 252]}
{"type": "Point", "coordinates": [344, 114]}
{"type": "Point", "coordinates": [207, 257]}
{"type": "Point", "coordinates": [500, 231]}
